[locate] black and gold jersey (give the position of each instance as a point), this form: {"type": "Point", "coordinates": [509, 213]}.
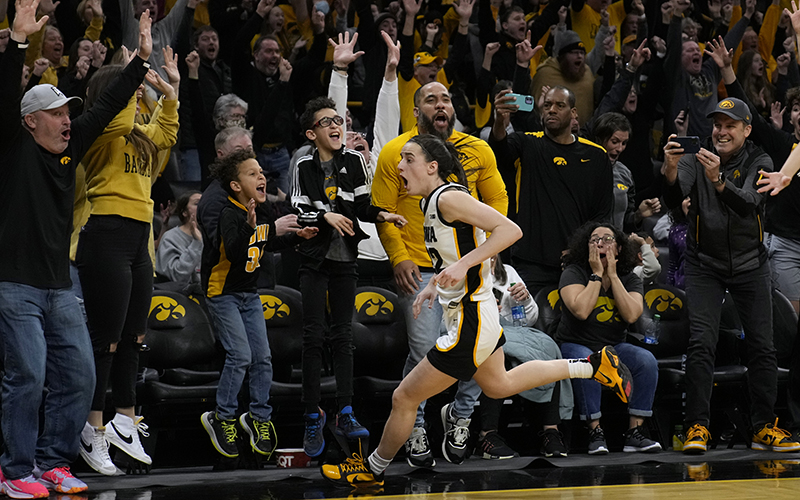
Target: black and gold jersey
{"type": "Point", "coordinates": [232, 258]}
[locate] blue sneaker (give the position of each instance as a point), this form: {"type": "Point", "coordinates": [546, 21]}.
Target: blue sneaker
{"type": "Point", "coordinates": [348, 426]}
{"type": "Point", "coordinates": [313, 439]}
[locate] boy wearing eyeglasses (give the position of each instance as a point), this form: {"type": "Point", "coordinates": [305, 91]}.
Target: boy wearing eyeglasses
{"type": "Point", "coordinates": [331, 191]}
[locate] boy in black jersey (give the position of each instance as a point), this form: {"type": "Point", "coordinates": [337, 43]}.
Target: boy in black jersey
{"type": "Point", "coordinates": [229, 274]}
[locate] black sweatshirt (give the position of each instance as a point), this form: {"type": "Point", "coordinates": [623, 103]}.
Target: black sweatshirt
{"type": "Point", "coordinates": [37, 187]}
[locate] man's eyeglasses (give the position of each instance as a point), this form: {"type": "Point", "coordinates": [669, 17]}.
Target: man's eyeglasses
{"type": "Point", "coordinates": [606, 239]}
{"type": "Point", "coordinates": [326, 121]}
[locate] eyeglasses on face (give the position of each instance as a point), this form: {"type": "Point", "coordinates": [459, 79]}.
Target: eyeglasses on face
{"type": "Point", "coordinates": [606, 239]}
{"type": "Point", "coordinates": [326, 121]}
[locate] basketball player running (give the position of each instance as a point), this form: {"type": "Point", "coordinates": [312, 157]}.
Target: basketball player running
{"type": "Point", "coordinates": [455, 235]}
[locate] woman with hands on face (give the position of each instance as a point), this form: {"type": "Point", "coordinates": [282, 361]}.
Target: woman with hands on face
{"type": "Point", "coordinates": [602, 296]}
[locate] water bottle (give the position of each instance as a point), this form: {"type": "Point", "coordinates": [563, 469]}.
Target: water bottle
{"type": "Point", "coordinates": [653, 330]}
{"type": "Point", "coordinates": [518, 312]}
{"type": "Point", "coordinates": [677, 438]}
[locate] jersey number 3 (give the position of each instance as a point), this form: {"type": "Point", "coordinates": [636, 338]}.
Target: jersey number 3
{"type": "Point", "coordinates": [255, 257]}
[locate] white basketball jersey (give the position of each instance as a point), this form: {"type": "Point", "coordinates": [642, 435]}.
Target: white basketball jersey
{"type": "Point", "coordinates": [447, 242]}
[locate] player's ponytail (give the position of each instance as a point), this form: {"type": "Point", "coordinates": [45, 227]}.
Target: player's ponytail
{"type": "Point", "coordinates": [445, 154]}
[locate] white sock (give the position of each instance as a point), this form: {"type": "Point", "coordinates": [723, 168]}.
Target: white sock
{"type": "Point", "coordinates": [580, 368]}
{"type": "Point", "coordinates": [377, 464]}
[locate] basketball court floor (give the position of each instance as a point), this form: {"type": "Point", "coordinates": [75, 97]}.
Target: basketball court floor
{"type": "Point", "coordinates": [726, 474]}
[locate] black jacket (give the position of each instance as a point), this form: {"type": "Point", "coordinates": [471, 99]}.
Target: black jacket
{"type": "Point", "coordinates": [726, 230]}
{"type": "Point", "coordinates": [352, 199]}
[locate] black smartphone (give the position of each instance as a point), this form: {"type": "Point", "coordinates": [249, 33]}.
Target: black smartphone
{"type": "Point", "coordinates": [690, 144]}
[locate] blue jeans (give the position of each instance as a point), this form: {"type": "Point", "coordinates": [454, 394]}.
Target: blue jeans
{"type": "Point", "coordinates": [239, 321]}
{"type": "Point", "coordinates": [46, 345]}
{"type": "Point", "coordinates": [276, 165]}
{"type": "Point", "coordinates": [422, 335]}
{"type": "Point", "coordinates": [644, 370]}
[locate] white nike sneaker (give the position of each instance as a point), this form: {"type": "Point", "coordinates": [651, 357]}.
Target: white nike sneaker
{"type": "Point", "coordinates": [123, 433]}
{"type": "Point", "coordinates": [94, 450]}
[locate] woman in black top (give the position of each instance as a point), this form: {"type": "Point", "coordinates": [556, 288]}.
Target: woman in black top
{"type": "Point", "coordinates": [601, 298]}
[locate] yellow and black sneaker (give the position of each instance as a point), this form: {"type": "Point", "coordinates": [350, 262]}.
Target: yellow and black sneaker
{"type": "Point", "coordinates": [352, 472]}
{"type": "Point", "coordinates": [772, 438]}
{"type": "Point", "coordinates": [696, 440]}
{"type": "Point", "coordinates": [611, 372]}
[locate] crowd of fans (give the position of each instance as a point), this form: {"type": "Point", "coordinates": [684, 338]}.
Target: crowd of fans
{"type": "Point", "coordinates": [570, 118]}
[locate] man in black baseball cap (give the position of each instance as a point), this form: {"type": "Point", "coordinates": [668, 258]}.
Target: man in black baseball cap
{"type": "Point", "coordinates": [725, 251]}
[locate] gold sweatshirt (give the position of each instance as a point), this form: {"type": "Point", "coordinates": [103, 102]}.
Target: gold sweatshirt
{"type": "Point", "coordinates": [117, 182]}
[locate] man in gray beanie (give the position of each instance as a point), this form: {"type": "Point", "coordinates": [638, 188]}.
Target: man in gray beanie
{"type": "Point", "coordinates": [567, 67]}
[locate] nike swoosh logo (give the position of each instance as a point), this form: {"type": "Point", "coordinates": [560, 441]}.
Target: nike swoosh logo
{"type": "Point", "coordinates": [87, 447]}
{"type": "Point", "coordinates": [127, 439]}
{"type": "Point", "coordinates": [583, 161]}
{"type": "Point", "coordinates": [361, 478]}
{"type": "Point", "coordinates": [608, 380]}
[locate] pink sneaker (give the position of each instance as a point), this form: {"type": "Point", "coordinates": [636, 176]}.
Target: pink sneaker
{"type": "Point", "coordinates": [61, 480]}
{"type": "Point", "coordinates": [27, 487]}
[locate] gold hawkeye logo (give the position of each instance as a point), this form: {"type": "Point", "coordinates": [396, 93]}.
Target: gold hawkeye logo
{"type": "Point", "coordinates": [559, 161]}
{"type": "Point", "coordinates": [373, 304]}
{"type": "Point", "coordinates": [274, 307]}
{"type": "Point", "coordinates": [726, 104]}
{"type": "Point", "coordinates": [662, 300]}
{"type": "Point", "coordinates": [166, 308]}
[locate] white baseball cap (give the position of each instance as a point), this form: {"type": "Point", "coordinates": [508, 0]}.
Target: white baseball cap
{"type": "Point", "coordinates": [43, 97]}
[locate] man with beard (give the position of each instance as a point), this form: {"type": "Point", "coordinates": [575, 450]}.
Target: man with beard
{"type": "Point", "coordinates": [562, 182]}
{"type": "Point", "coordinates": [694, 81]}
{"type": "Point", "coordinates": [412, 265]}
{"type": "Point", "coordinates": [568, 69]}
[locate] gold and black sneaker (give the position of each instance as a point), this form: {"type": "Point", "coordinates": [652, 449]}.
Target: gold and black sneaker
{"type": "Point", "coordinates": [352, 472]}
{"type": "Point", "coordinates": [773, 438]}
{"type": "Point", "coordinates": [611, 372]}
{"type": "Point", "coordinates": [696, 440]}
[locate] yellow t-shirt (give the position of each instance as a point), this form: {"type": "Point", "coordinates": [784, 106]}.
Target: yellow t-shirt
{"type": "Point", "coordinates": [586, 22]}
{"type": "Point", "coordinates": [388, 192]}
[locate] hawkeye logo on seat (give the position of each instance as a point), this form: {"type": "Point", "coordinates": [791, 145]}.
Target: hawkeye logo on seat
{"type": "Point", "coordinates": [554, 298]}
{"type": "Point", "coordinates": [274, 307]}
{"type": "Point", "coordinates": [166, 308]}
{"type": "Point", "coordinates": [373, 304]}
{"type": "Point", "coordinates": [662, 300]}
{"type": "Point", "coordinates": [559, 161]}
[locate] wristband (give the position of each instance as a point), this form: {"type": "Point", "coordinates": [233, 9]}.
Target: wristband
{"type": "Point", "coordinates": [340, 68]}
{"type": "Point", "coordinates": [594, 277]}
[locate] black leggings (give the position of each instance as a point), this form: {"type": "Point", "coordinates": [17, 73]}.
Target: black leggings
{"type": "Point", "coordinates": [117, 278]}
